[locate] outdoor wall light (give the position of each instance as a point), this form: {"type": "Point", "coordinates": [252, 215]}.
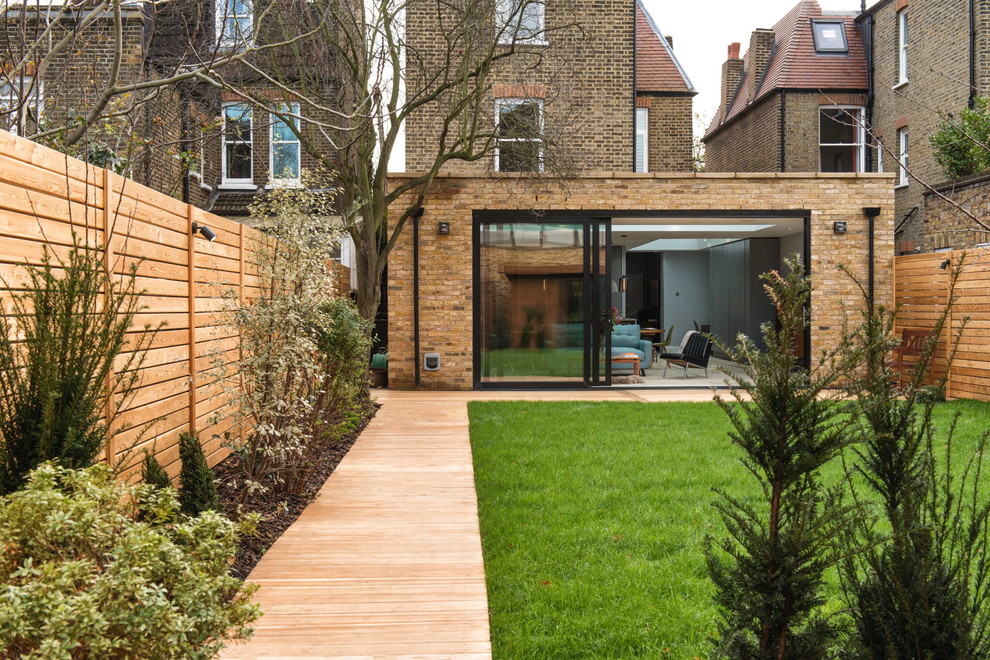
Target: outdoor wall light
{"type": "Point", "coordinates": [204, 231]}
{"type": "Point", "coordinates": [839, 227]}
{"type": "Point", "coordinates": [443, 227]}
{"type": "Point", "coordinates": [944, 264]}
{"type": "Point", "coordinates": [622, 284]}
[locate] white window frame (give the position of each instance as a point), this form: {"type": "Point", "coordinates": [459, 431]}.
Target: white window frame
{"type": "Point", "coordinates": [292, 109]}
{"type": "Point", "coordinates": [879, 148]}
{"type": "Point", "coordinates": [31, 95]}
{"type": "Point", "coordinates": [224, 10]}
{"type": "Point", "coordinates": [860, 143]}
{"type": "Point", "coordinates": [508, 21]}
{"type": "Point", "coordinates": [903, 178]}
{"type": "Point", "coordinates": [225, 181]}
{"type": "Point", "coordinates": [642, 137]}
{"type": "Point", "coordinates": [902, 47]}
{"type": "Point", "coordinates": [515, 101]}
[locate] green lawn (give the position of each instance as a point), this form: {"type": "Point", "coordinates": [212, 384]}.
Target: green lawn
{"type": "Point", "coordinates": [593, 517]}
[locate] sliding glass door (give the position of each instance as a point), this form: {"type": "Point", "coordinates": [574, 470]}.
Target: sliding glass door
{"type": "Point", "coordinates": [540, 287]}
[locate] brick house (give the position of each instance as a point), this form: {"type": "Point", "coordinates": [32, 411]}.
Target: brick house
{"type": "Point", "coordinates": [503, 278]}
{"type": "Point", "coordinates": [795, 101]}
{"type": "Point", "coordinates": [890, 85]}
{"type": "Point", "coordinates": [598, 89]}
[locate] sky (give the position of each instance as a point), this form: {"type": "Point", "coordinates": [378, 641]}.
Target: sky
{"type": "Point", "coordinates": [703, 30]}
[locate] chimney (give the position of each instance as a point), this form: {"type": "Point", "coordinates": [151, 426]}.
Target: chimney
{"type": "Point", "coordinates": [731, 73]}
{"type": "Point", "coordinates": [670, 41]}
{"type": "Point", "coordinates": [760, 48]}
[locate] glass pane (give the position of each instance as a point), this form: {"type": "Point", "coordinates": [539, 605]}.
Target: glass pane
{"type": "Point", "coordinates": [281, 131]}
{"type": "Point", "coordinates": [239, 7]}
{"type": "Point", "coordinates": [521, 156]}
{"type": "Point", "coordinates": [838, 159]}
{"type": "Point", "coordinates": [531, 304]}
{"type": "Point", "coordinates": [285, 161]}
{"type": "Point", "coordinates": [519, 120]}
{"type": "Point", "coordinates": [837, 126]}
{"type": "Point", "coordinates": [830, 36]}
{"type": "Point", "coordinates": [238, 123]}
{"type": "Point", "coordinates": [238, 160]}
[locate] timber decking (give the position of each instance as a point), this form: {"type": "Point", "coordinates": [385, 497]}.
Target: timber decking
{"type": "Point", "coordinates": [386, 562]}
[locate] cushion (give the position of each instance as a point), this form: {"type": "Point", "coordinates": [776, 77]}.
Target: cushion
{"type": "Point", "coordinates": [625, 336]}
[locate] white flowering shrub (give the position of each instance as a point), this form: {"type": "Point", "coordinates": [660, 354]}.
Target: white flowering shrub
{"type": "Point", "coordinates": [87, 572]}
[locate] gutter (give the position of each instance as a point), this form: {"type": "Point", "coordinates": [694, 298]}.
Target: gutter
{"type": "Point", "coordinates": [783, 133]}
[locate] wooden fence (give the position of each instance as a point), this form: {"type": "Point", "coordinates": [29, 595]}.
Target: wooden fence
{"type": "Point", "coordinates": [46, 197]}
{"type": "Point", "coordinates": [921, 290]}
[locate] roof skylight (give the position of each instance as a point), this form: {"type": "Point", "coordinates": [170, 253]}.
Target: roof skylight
{"type": "Point", "coordinates": [830, 36]}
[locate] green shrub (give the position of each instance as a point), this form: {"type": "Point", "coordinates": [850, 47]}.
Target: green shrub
{"type": "Point", "coordinates": [197, 491]}
{"type": "Point", "coordinates": [59, 341]}
{"type": "Point", "coordinates": [344, 345]}
{"type": "Point", "coordinates": [82, 577]}
{"type": "Point", "coordinates": [152, 472]}
{"type": "Point", "coordinates": [963, 148]}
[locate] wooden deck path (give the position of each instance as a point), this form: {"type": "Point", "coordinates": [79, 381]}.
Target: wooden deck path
{"type": "Point", "coordinates": [386, 562]}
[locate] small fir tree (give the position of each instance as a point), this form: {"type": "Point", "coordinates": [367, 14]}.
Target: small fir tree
{"type": "Point", "coordinates": [197, 491]}
{"type": "Point", "coordinates": [768, 572]}
{"type": "Point", "coordinates": [152, 472]}
{"type": "Point", "coordinates": [919, 590]}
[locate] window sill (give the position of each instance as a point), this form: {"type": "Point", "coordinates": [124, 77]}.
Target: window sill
{"type": "Point", "coordinates": [899, 186]}
{"type": "Point", "coordinates": [237, 186]}
{"type": "Point", "coordinates": [525, 42]}
{"type": "Point", "coordinates": [281, 185]}
{"type": "Point", "coordinates": [900, 84]}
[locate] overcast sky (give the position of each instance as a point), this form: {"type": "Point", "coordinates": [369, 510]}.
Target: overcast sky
{"type": "Point", "coordinates": [702, 32]}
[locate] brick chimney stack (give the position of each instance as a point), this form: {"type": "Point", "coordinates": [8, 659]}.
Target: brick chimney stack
{"type": "Point", "coordinates": [670, 41]}
{"type": "Point", "coordinates": [760, 49]}
{"type": "Point", "coordinates": [731, 73]}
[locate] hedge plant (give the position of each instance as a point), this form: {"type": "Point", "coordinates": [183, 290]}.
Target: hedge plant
{"type": "Point", "coordinates": [85, 572]}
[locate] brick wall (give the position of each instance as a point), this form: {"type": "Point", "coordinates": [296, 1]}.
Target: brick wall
{"type": "Point", "coordinates": [585, 76]}
{"type": "Point", "coordinates": [446, 261]}
{"type": "Point", "coordinates": [750, 142]}
{"type": "Point", "coordinates": [946, 226]}
{"type": "Point", "coordinates": [938, 75]}
{"type": "Point", "coordinates": [670, 134]}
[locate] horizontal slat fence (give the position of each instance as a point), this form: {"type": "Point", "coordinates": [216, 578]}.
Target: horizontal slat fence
{"type": "Point", "coordinates": [921, 291]}
{"type": "Point", "coordinates": [45, 197]}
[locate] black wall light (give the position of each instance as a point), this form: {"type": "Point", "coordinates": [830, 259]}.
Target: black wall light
{"type": "Point", "coordinates": [944, 264]}
{"type": "Point", "coordinates": [204, 231]}
{"type": "Point", "coordinates": [839, 227]}
{"type": "Point", "coordinates": [443, 227]}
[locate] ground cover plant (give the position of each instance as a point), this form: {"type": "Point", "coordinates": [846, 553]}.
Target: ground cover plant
{"type": "Point", "coordinates": [593, 519]}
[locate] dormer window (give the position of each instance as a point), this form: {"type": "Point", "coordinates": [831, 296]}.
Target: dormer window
{"type": "Point", "coordinates": [830, 36]}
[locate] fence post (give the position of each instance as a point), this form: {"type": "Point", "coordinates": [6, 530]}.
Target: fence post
{"type": "Point", "coordinates": [240, 343]}
{"type": "Point", "coordinates": [191, 273]}
{"type": "Point", "coordinates": [104, 211]}
{"type": "Point", "coordinates": [948, 326]}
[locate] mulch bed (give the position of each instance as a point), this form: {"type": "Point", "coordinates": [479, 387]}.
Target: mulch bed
{"type": "Point", "coordinates": [277, 511]}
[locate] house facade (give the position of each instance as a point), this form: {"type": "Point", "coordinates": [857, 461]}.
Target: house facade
{"type": "Point", "coordinates": [866, 102]}
{"type": "Point", "coordinates": [594, 86]}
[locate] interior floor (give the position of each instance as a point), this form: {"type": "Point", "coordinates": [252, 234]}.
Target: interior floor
{"type": "Point", "coordinates": [719, 371]}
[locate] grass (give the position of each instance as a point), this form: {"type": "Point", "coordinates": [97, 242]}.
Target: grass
{"type": "Point", "coordinates": [593, 517]}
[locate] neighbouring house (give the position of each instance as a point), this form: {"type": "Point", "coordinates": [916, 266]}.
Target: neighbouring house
{"type": "Point", "coordinates": [836, 91]}
{"type": "Point", "coordinates": [598, 88]}
{"type": "Point", "coordinates": [507, 278]}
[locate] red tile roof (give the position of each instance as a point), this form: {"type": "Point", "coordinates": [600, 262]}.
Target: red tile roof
{"type": "Point", "coordinates": [657, 70]}
{"type": "Point", "coordinates": [794, 64]}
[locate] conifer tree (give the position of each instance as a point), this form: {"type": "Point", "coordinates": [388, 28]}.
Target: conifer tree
{"type": "Point", "coordinates": [197, 491]}
{"type": "Point", "coordinates": [768, 572]}
{"type": "Point", "coordinates": [153, 473]}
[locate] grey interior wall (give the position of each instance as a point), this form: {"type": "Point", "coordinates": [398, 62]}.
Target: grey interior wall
{"type": "Point", "coordinates": [793, 244]}
{"type": "Point", "coordinates": [686, 294]}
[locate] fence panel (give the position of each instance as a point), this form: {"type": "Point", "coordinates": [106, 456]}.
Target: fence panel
{"type": "Point", "coordinates": [46, 198]}
{"type": "Point", "coordinates": [921, 291]}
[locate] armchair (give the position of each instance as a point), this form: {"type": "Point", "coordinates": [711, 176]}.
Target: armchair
{"type": "Point", "coordinates": [696, 350]}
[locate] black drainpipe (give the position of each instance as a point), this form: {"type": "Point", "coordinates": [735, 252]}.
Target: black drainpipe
{"type": "Point", "coordinates": [415, 227]}
{"type": "Point", "coordinates": [972, 54]}
{"type": "Point", "coordinates": [870, 93]}
{"type": "Point", "coordinates": [871, 212]}
{"type": "Point", "coordinates": [783, 128]}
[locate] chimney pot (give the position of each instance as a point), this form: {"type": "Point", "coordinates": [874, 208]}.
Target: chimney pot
{"type": "Point", "coordinates": [670, 41]}
{"type": "Point", "coordinates": [734, 50]}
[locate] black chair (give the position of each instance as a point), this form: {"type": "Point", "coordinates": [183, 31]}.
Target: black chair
{"type": "Point", "coordinates": [695, 353]}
